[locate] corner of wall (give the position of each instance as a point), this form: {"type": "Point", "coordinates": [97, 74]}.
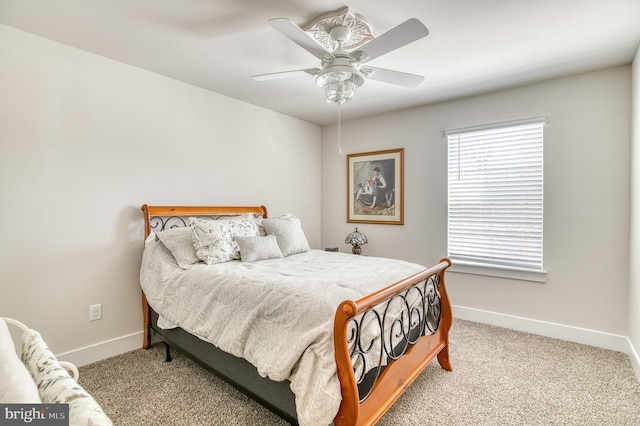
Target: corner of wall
{"type": "Point", "coordinates": [634, 250]}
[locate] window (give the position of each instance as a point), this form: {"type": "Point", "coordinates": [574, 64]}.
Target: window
{"type": "Point", "coordinates": [495, 195]}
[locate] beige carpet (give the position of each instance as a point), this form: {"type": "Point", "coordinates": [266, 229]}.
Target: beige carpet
{"type": "Point", "coordinates": [500, 377]}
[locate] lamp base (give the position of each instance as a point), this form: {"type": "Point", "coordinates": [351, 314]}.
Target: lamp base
{"type": "Point", "coordinates": [356, 250]}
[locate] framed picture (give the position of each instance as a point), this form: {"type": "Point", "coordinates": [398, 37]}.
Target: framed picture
{"type": "Point", "coordinates": [375, 188]}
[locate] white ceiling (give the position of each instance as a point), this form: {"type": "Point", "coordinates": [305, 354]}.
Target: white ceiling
{"type": "Point", "coordinates": [473, 46]}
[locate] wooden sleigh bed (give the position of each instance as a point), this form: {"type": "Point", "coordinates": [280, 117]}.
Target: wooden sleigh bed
{"type": "Point", "coordinates": [414, 339]}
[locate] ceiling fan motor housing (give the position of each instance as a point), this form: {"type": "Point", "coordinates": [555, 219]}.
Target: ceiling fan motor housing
{"type": "Point", "coordinates": [340, 68]}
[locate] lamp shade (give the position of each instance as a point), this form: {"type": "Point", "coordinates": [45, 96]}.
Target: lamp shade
{"type": "Point", "coordinates": [356, 239]}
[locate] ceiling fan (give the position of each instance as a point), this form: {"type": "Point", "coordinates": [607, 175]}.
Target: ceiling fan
{"type": "Point", "coordinates": [344, 42]}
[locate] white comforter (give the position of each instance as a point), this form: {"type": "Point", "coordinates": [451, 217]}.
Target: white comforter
{"type": "Point", "coordinates": [278, 314]}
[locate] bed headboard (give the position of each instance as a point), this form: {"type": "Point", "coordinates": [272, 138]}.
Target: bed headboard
{"type": "Point", "coordinates": [159, 218]}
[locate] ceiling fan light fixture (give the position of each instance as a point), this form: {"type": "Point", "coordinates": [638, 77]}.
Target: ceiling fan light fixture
{"type": "Point", "coordinates": [339, 82]}
{"type": "Point", "coordinates": [339, 92]}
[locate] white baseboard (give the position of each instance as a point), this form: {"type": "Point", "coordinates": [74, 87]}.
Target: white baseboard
{"type": "Point", "coordinates": [103, 350]}
{"type": "Point", "coordinates": [548, 329]}
{"type": "Point", "coordinates": [120, 345]}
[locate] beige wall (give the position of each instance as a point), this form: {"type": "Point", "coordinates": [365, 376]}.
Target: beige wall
{"type": "Point", "coordinates": [634, 282]}
{"type": "Point", "coordinates": [84, 141]}
{"type": "Point", "coordinates": [586, 223]}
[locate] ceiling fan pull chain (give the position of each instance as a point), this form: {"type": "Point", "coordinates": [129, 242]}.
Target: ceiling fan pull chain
{"type": "Point", "coordinates": [340, 128]}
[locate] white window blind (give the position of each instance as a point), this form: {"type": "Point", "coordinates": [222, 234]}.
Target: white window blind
{"type": "Point", "coordinates": [495, 194]}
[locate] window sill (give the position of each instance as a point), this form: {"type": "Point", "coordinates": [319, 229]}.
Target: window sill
{"type": "Point", "coordinates": [497, 271]}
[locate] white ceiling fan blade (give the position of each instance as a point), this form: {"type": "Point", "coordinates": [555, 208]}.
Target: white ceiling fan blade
{"type": "Point", "coordinates": [405, 33]}
{"type": "Point", "coordinates": [285, 74]}
{"type": "Point", "coordinates": [293, 32]}
{"type": "Point", "coordinates": [392, 77]}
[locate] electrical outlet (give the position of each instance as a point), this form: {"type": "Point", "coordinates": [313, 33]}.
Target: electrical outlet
{"type": "Point", "coordinates": [95, 312]}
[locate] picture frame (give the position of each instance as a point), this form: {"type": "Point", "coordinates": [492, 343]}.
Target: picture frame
{"type": "Point", "coordinates": [375, 187]}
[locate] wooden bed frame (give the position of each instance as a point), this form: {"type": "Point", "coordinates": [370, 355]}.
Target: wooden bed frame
{"type": "Point", "coordinates": [426, 338]}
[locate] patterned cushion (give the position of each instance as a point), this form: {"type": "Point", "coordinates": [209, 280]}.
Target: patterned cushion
{"type": "Point", "coordinates": [56, 386]}
{"type": "Point", "coordinates": [213, 240]}
{"type": "Point", "coordinates": [243, 226]}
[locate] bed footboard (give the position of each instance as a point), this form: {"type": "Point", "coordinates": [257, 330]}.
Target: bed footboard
{"type": "Point", "coordinates": [385, 340]}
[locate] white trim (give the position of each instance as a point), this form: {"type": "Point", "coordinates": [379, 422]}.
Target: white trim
{"type": "Point", "coordinates": [489, 126]}
{"type": "Point", "coordinates": [464, 267]}
{"type": "Point", "coordinates": [120, 345]}
{"type": "Point", "coordinates": [557, 331]}
{"type": "Point", "coordinates": [103, 350]}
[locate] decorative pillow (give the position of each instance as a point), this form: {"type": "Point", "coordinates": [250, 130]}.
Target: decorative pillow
{"type": "Point", "coordinates": [257, 248]}
{"type": "Point", "coordinates": [16, 384]}
{"type": "Point", "coordinates": [289, 234]}
{"type": "Point", "coordinates": [55, 384]}
{"type": "Point", "coordinates": [213, 240]}
{"type": "Point", "coordinates": [244, 225]}
{"type": "Point", "coordinates": [179, 241]}
{"type": "Point", "coordinates": [258, 221]}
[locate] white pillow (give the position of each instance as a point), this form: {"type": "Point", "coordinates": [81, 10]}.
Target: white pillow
{"type": "Point", "coordinates": [258, 221]}
{"type": "Point", "coordinates": [289, 234]}
{"type": "Point", "coordinates": [179, 241]}
{"type": "Point", "coordinates": [244, 226]}
{"type": "Point", "coordinates": [257, 248]}
{"type": "Point", "coordinates": [213, 240]}
{"type": "Point", "coordinates": [16, 384]}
